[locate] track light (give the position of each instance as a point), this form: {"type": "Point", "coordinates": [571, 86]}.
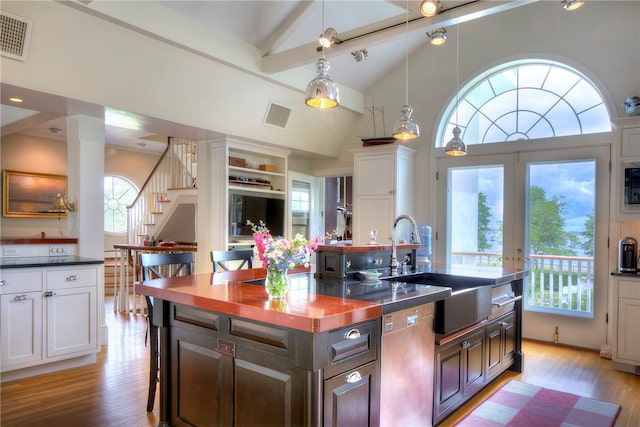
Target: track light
{"type": "Point", "coordinates": [437, 36]}
{"type": "Point", "coordinates": [572, 4]}
{"type": "Point", "coordinates": [429, 8]}
{"type": "Point", "coordinates": [328, 38]}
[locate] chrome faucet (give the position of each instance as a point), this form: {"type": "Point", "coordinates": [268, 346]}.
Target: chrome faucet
{"type": "Point", "coordinates": [415, 238]}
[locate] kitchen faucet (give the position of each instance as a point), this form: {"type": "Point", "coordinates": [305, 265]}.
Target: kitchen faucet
{"type": "Point", "coordinates": [415, 238]}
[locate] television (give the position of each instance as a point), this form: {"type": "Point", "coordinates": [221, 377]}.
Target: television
{"type": "Point", "coordinates": [243, 207]}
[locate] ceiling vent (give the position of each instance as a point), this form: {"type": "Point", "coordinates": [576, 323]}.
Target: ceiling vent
{"type": "Point", "coordinates": [277, 116]}
{"type": "Point", "coordinates": [14, 36]}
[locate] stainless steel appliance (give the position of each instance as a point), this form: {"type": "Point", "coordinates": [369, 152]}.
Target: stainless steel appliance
{"type": "Point", "coordinates": [627, 255]}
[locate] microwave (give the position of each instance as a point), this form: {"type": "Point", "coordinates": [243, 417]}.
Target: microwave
{"type": "Point", "coordinates": [632, 186]}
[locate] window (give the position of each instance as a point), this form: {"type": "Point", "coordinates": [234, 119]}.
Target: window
{"type": "Point", "coordinates": [119, 193]}
{"type": "Point", "coordinates": [525, 100]}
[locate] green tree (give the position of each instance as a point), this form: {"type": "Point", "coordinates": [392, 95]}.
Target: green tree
{"type": "Point", "coordinates": [546, 224]}
{"type": "Point", "coordinates": [588, 234]}
{"type": "Point", "coordinates": [484, 219]}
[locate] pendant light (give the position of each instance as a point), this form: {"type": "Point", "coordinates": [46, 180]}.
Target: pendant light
{"type": "Point", "coordinates": [322, 92]}
{"type": "Point", "coordinates": [406, 128]}
{"type": "Point", "coordinates": [456, 146]}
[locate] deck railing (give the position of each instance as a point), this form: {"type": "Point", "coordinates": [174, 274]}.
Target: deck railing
{"type": "Point", "coordinates": [555, 283]}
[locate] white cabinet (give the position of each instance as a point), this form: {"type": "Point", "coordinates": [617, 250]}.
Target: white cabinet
{"type": "Point", "coordinates": [383, 188]}
{"type": "Point", "coordinates": [627, 349]}
{"type": "Point", "coordinates": [48, 315]}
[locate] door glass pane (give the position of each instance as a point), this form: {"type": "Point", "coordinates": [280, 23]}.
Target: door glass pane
{"type": "Point", "coordinates": [475, 223]}
{"type": "Point", "coordinates": [300, 207]}
{"type": "Point", "coordinates": [560, 237]}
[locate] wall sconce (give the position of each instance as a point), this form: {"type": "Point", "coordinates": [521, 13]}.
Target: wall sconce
{"type": "Point", "coordinates": [62, 205]}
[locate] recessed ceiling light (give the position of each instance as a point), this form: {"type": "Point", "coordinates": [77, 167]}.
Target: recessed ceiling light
{"type": "Point", "coordinates": [14, 99]}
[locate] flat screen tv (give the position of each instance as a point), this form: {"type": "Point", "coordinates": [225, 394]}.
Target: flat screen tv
{"type": "Point", "coordinates": [255, 208]}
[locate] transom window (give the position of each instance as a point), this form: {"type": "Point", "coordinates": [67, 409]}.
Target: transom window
{"type": "Point", "coordinates": [525, 100]}
{"type": "Point", "coordinates": [119, 193]}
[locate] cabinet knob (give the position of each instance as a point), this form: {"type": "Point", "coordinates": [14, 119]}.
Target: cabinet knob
{"type": "Point", "coordinates": [21, 297]}
{"type": "Point", "coordinates": [352, 334]}
{"type": "Point", "coordinates": [72, 278]}
{"type": "Point", "coordinates": [353, 377]}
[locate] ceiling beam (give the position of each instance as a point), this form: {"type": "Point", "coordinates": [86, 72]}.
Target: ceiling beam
{"type": "Point", "coordinates": [280, 35]}
{"type": "Point", "coordinates": [307, 54]}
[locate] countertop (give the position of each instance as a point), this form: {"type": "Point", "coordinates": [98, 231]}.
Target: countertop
{"type": "Point", "coordinates": [46, 261]}
{"type": "Point", "coordinates": [305, 307]}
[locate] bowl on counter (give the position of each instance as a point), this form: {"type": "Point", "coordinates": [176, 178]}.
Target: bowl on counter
{"type": "Point", "coordinates": [369, 275]}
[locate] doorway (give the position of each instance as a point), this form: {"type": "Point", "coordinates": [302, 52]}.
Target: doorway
{"type": "Point", "coordinates": [545, 211]}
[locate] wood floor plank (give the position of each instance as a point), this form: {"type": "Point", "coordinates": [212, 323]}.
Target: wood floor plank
{"type": "Point", "coordinates": [113, 391]}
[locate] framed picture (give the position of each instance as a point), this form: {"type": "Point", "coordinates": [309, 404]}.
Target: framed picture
{"type": "Point", "coordinates": [31, 194]}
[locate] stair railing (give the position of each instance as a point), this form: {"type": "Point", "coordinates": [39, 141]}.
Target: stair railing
{"type": "Point", "coordinates": [175, 169]}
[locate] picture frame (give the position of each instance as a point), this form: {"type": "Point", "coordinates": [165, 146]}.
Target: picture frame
{"type": "Point", "coordinates": [31, 195]}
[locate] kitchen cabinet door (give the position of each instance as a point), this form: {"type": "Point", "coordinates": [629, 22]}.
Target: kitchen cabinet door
{"type": "Point", "coordinates": [351, 398]}
{"type": "Point", "coordinates": [628, 337]}
{"type": "Point", "coordinates": [500, 341]}
{"type": "Point", "coordinates": [71, 321]}
{"type": "Point", "coordinates": [20, 329]}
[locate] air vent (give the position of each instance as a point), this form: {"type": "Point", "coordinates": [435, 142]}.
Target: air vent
{"type": "Point", "coordinates": [277, 116]}
{"type": "Point", "coordinates": [14, 36]}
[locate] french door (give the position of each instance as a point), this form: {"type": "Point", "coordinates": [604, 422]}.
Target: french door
{"type": "Point", "coordinates": [544, 211]}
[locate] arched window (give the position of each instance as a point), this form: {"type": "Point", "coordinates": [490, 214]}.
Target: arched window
{"type": "Point", "coordinates": [119, 193]}
{"type": "Point", "coordinates": [525, 100]}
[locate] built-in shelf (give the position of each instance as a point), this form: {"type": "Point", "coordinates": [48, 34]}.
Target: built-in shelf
{"type": "Point", "coordinates": [254, 171]}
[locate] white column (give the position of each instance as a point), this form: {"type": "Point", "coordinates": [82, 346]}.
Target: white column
{"type": "Point", "coordinates": [85, 168]}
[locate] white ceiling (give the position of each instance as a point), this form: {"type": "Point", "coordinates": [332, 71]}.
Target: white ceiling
{"type": "Point", "coordinates": [285, 32]}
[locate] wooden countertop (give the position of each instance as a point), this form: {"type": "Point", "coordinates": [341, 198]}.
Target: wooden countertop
{"type": "Point", "coordinates": [363, 248]}
{"type": "Point", "coordinates": [225, 293]}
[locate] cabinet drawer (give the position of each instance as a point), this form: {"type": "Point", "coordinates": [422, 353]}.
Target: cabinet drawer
{"type": "Point", "coordinates": [71, 278]}
{"type": "Point", "coordinates": [20, 281]}
{"type": "Point", "coordinates": [629, 289]}
{"type": "Point", "coordinates": [351, 347]}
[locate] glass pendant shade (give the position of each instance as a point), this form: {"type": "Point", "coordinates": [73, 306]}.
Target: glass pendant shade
{"type": "Point", "coordinates": [322, 92]}
{"type": "Point", "coordinates": [455, 147]}
{"type": "Point", "coordinates": [406, 128]}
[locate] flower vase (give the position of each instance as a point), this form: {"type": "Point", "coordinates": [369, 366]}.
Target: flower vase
{"type": "Point", "coordinates": [276, 283]}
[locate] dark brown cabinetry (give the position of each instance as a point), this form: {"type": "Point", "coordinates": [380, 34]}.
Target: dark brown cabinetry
{"type": "Point", "coordinates": [465, 363]}
{"type": "Point", "coordinates": [232, 371]}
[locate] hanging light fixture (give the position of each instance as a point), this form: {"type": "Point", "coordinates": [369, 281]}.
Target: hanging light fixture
{"type": "Point", "coordinates": [406, 128]}
{"type": "Point", "coordinates": [322, 92]}
{"type": "Point", "coordinates": [437, 36]}
{"type": "Point", "coordinates": [456, 147]}
{"type": "Point", "coordinates": [429, 8]}
{"type": "Point", "coordinates": [572, 4]}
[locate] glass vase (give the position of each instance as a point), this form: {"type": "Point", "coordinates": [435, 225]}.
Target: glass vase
{"type": "Point", "coordinates": [276, 283]}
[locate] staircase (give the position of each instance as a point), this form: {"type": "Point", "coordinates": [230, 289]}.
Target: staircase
{"type": "Point", "coordinates": [171, 184]}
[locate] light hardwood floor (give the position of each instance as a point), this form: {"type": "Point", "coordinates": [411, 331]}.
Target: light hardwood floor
{"type": "Point", "coordinates": [113, 392]}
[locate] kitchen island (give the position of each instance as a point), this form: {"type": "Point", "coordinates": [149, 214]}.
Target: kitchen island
{"type": "Point", "coordinates": [232, 356]}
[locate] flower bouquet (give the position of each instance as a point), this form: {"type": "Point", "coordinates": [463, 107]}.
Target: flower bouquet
{"type": "Point", "coordinates": [278, 255]}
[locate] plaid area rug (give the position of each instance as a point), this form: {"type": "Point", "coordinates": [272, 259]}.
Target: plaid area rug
{"type": "Point", "coordinates": [519, 404]}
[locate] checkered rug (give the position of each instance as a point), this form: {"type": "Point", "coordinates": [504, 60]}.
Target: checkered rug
{"type": "Point", "coordinates": [518, 404]}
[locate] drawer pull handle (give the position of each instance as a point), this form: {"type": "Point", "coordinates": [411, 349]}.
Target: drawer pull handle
{"type": "Point", "coordinates": [21, 297]}
{"type": "Point", "coordinates": [72, 278]}
{"type": "Point", "coordinates": [49, 294]}
{"type": "Point", "coordinates": [501, 302]}
{"type": "Point", "coordinates": [352, 334]}
{"type": "Point", "coordinates": [3, 282]}
{"type": "Point", "coordinates": [353, 377]}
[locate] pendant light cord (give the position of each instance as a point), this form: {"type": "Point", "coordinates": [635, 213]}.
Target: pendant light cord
{"type": "Point", "coordinates": [457, 70]}
{"type": "Point", "coordinates": [406, 56]}
{"type": "Point", "coordinates": [322, 29]}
